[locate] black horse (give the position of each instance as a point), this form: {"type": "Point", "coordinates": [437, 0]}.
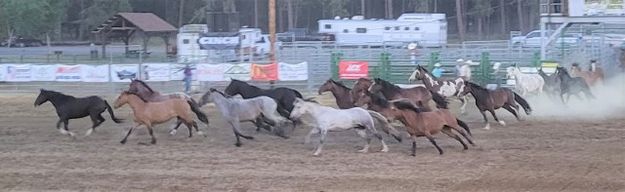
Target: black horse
{"type": "Point", "coordinates": [572, 85]}
{"type": "Point", "coordinates": [284, 96]}
{"type": "Point", "coordinates": [552, 83]}
{"type": "Point", "coordinates": [69, 107]}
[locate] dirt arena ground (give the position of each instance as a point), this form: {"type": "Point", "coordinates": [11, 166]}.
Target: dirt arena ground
{"type": "Point", "coordinates": [542, 153]}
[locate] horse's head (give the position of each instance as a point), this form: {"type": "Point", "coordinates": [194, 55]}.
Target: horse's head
{"type": "Point", "coordinates": [400, 106]}
{"type": "Point", "coordinates": [234, 87]}
{"type": "Point", "coordinates": [300, 107]}
{"type": "Point", "coordinates": [464, 88]}
{"type": "Point", "coordinates": [511, 72]}
{"type": "Point", "coordinates": [419, 74]}
{"type": "Point", "coordinates": [327, 86]}
{"type": "Point", "coordinates": [122, 99]}
{"type": "Point", "coordinates": [42, 98]}
{"type": "Point", "coordinates": [363, 98]}
{"type": "Point", "coordinates": [139, 87]}
{"type": "Point", "coordinates": [376, 86]}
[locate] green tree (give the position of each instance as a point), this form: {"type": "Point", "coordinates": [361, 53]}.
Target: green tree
{"type": "Point", "coordinates": [99, 11]}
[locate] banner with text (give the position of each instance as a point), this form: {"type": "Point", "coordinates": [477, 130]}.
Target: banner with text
{"type": "Point", "coordinates": [212, 72]}
{"type": "Point", "coordinates": [42, 72]}
{"type": "Point", "coordinates": [68, 73]}
{"type": "Point", "coordinates": [18, 72]}
{"type": "Point", "coordinates": [293, 72]}
{"type": "Point", "coordinates": [155, 71]}
{"type": "Point", "coordinates": [241, 71]}
{"type": "Point", "coordinates": [3, 72]}
{"type": "Point", "coordinates": [124, 72]}
{"type": "Point", "coordinates": [265, 72]}
{"type": "Point", "coordinates": [95, 73]}
{"type": "Point", "coordinates": [353, 69]}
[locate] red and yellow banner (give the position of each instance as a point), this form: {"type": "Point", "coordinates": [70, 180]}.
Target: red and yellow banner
{"type": "Point", "coordinates": [266, 72]}
{"type": "Point", "coordinates": [353, 69]}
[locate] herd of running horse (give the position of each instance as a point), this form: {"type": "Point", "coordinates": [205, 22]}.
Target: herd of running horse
{"type": "Point", "coordinates": [274, 109]}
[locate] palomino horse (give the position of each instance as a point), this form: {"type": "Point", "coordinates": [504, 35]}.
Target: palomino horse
{"type": "Point", "coordinates": [572, 85]}
{"type": "Point", "coordinates": [420, 96]}
{"type": "Point", "coordinates": [153, 113]}
{"type": "Point", "coordinates": [69, 107]}
{"type": "Point", "coordinates": [258, 110]}
{"type": "Point", "coordinates": [446, 88]}
{"type": "Point", "coordinates": [526, 83]}
{"type": "Point", "coordinates": [552, 83]}
{"type": "Point", "coordinates": [331, 119]}
{"type": "Point", "coordinates": [379, 104]}
{"type": "Point", "coordinates": [593, 76]}
{"type": "Point", "coordinates": [341, 93]}
{"type": "Point", "coordinates": [420, 123]}
{"type": "Point", "coordinates": [146, 93]}
{"type": "Point", "coordinates": [490, 100]}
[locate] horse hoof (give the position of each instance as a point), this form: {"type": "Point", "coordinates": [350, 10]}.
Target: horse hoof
{"type": "Point", "coordinates": [363, 151]}
{"type": "Point", "coordinates": [414, 154]}
{"type": "Point", "coordinates": [502, 123]}
{"type": "Point", "coordinates": [173, 132]}
{"type": "Point", "coordinates": [88, 132]}
{"type": "Point", "coordinates": [201, 133]}
{"type": "Point", "coordinates": [316, 154]}
{"type": "Point", "coordinates": [487, 127]}
{"type": "Point", "coordinates": [123, 142]}
{"type": "Point", "coordinates": [384, 150]}
{"type": "Point", "coordinates": [237, 144]}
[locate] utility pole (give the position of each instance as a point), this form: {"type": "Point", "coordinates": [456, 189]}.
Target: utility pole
{"type": "Point", "coordinates": [272, 29]}
{"type": "Point", "coordinates": [362, 7]}
{"type": "Point", "coordinates": [180, 13]}
{"type": "Point", "coordinates": [255, 13]}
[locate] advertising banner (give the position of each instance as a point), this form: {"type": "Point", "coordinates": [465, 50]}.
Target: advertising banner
{"type": "Point", "coordinates": [42, 72]}
{"type": "Point", "coordinates": [3, 72]}
{"type": "Point", "coordinates": [238, 71]}
{"type": "Point", "coordinates": [266, 72]}
{"type": "Point", "coordinates": [353, 69]}
{"type": "Point", "coordinates": [95, 73]}
{"type": "Point", "coordinates": [124, 72]}
{"type": "Point", "coordinates": [212, 72]}
{"type": "Point", "coordinates": [293, 72]}
{"type": "Point", "coordinates": [155, 71]}
{"type": "Point", "coordinates": [68, 73]}
{"type": "Point", "coordinates": [18, 72]}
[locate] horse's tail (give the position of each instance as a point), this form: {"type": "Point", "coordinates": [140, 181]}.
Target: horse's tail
{"type": "Point", "coordinates": [387, 127]}
{"type": "Point", "coordinates": [464, 126]}
{"type": "Point", "coordinates": [523, 103]}
{"type": "Point", "coordinates": [196, 109]}
{"type": "Point", "coordinates": [440, 101]}
{"type": "Point", "coordinates": [110, 109]}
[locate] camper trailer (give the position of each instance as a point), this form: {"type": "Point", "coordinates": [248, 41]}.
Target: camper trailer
{"type": "Point", "coordinates": [429, 30]}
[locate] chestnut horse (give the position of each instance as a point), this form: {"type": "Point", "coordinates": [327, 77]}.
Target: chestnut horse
{"type": "Point", "coordinates": [419, 96]}
{"type": "Point", "coordinates": [360, 87]}
{"type": "Point", "coordinates": [152, 113]}
{"type": "Point", "coordinates": [594, 76]}
{"type": "Point", "coordinates": [341, 93]}
{"type": "Point", "coordinates": [420, 123]}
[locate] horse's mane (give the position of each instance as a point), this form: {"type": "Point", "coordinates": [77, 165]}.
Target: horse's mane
{"type": "Point", "coordinates": [423, 69]}
{"type": "Point", "coordinates": [340, 84]}
{"type": "Point", "coordinates": [377, 99]}
{"type": "Point", "coordinates": [385, 83]}
{"type": "Point", "coordinates": [55, 93]}
{"type": "Point", "coordinates": [144, 84]}
{"type": "Point", "coordinates": [563, 71]}
{"type": "Point", "coordinates": [476, 86]}
{"type": "Point", "coordinates": [131, 93]}
{"type": "Point", "coordinates": [403, 105]}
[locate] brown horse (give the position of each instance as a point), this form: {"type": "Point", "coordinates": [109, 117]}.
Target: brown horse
{"type": "Point", "coordinates": [420, 123]}
{"type": "Point", "coordinates": [342, 94]}
{"type": "Point", "coordinates": [360, 87]}
{"type": "Point", "coordinates": [594, 76]}
{"type": "Point", "coordinates": [490, 100]}
{"type": "Point", "coordinates": [146, 93]}
{"type": "Point", "coordinates": [152, 113]}
{"type": "Point", "coordinates": [419, 96]}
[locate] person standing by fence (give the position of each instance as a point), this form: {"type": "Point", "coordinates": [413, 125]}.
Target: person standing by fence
{"type": "Point", "coordinates": [188, 77]}
{"type": "Point", "coordinates": [437, 71]}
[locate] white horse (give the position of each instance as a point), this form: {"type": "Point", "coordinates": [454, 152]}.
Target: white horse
{"type": "Point", "coordinates": [446, 88]}
{"type": "Point", "coordinates": [526, 83]}
{"type": "Point", "coordinates": [235, 110]}
{"type": "Point", "coordinates": [326, 119]}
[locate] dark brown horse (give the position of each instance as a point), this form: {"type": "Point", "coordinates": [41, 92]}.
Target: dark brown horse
{"type": "Point", "coordinates": [421, 123]}
{"type": "Point", "coordinates": [146, 93]}
{"type": "Point", "coordinates": [419, 96]}
{"type": "Point", "coordinates": [360, 87]}
{"type": "Point", "coordinates": [490, 100]}
{"type": "Point", "coordinates": [342, 94]}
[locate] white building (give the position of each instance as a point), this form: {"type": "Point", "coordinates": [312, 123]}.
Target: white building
{"type": "Point", "coordinates": [429, 30]}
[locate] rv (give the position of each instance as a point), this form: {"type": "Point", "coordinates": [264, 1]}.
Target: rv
{"type": "Point", "coordinates": [196, 44]}
{"type": "Point", "coordinates": [428, 30]}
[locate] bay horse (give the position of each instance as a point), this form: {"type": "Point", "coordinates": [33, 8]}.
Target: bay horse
{"type": "Point", "coordinates": [594, 76]}
{"type": "Point", "coordinates": [234, 110]}
{"type": "Point", "coordinates": [420, 96]}
{"type": "Point", "coordinates": [379, 104]}
{"type": "Point", "coordinates": [361, 85]}
{"type": "Point", "coordinates": [342, 94]}
{"type": "Point", "coordinates": [572, 85]}
{"type": "Point", "coordinates": [145, 92]}
{"type": "Point", "coordinates": [552, 83]}
{"type": "Point", "coordinates": [330, 119]}
{"type": "Point", "coordinates": [526, 83]}
{"type": "Point", "coordinates": [284, 96]}
{"type": "Point", "coordinates": [446, 88]}
{"type": "Point", "coordinates": [421, 123]}
{"type": "Point", "coordinates": [69, 107]}
{"type": "Point", "coordinates": [153, 113]}
{"type": "Point", "coordinates": [490, 100]}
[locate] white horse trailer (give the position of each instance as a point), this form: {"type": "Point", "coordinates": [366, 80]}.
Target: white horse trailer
{"type": "Point", "coordinates": [428, 30]}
